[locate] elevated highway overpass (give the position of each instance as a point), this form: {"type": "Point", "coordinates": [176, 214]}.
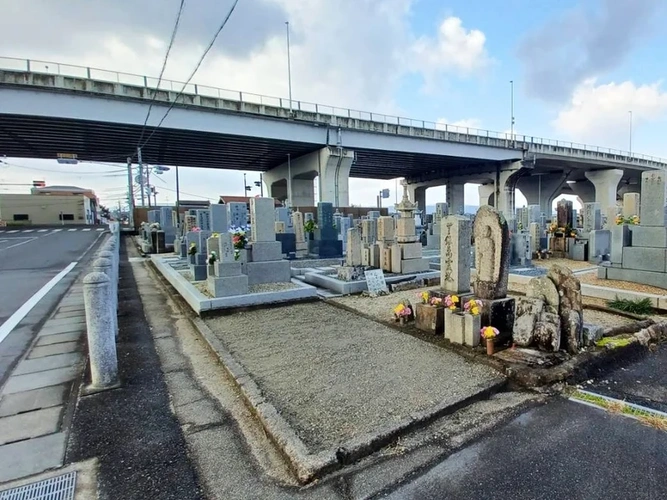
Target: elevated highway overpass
{"type": "Point", "coordinates": [48, 108]}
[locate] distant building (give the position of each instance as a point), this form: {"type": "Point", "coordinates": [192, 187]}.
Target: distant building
{"type": "Point", "coordinates": [50, 205]}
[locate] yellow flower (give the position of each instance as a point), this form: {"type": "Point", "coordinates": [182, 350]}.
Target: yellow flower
{"type": "Point", "coordinates": [452, 307]}
{"type": "Point", "coordinates": [425, 297]}
{"type": "Point", "coordinates": [455, 298]}
{"type": "Point", "coordinates": [398, 308]}
{"type": "Point", "coordinates": [475, 311]}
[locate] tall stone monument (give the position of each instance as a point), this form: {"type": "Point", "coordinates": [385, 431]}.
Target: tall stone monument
{"type": "Point", "coordinates": [639, 253]}
{"type": "Point", "coordinates": [300, 233]}
{"type": "Point", "coordinates": [455, 254]}
{"type": "Point", "coordinates": [265, 263]}
{"type": "Point", "coordinates": [631, 204]}
{"type": "Point", "coordinates": [406, 253]}
{"type": "Point", "coordinates": [492, 256]}
{"type": "Point", "coordinates": [326, 243]}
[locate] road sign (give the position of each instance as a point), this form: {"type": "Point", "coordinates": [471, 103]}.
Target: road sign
{"type": "Point", "coordinates": [384, 193]}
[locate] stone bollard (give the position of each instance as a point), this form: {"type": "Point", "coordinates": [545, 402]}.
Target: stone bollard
{"type": "Point", "coordinates": [106, 254]}
{"type": "Point", "coordinates": [101, 338]}
{"type": "Point", "coordinates": [102, 265]}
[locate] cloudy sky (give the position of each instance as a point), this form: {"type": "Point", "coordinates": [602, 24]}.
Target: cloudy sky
{"type": "Point", "coordinates": [579, 67]}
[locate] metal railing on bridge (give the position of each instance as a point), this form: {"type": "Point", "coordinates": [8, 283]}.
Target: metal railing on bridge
{"type": "Point", "coordinates": [344, 117]}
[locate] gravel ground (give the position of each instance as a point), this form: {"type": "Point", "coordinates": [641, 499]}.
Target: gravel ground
{"type": "Point", "coordinates": [574, 265]}
{"type": "Point", "coordinates": [298, 264]}
{"type": "Point", "coordinates": [592, 279]}
{"type": "Point", "coordinates": [535, 271]}
{"type": "Point", "coordinates": [381, 307]}
{"type": "Point", "coordinates": [334, 375]}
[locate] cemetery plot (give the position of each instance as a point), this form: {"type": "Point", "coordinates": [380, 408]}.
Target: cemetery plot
{"type": "Point", "coordinates": [339, 379]}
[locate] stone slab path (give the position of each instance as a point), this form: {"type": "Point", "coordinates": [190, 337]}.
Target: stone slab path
{"type": "Point", "coordinates": [33, 401]}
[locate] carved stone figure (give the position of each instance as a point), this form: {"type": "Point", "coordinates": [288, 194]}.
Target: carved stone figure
{"type": "Point", "coordinates": [492, 253]}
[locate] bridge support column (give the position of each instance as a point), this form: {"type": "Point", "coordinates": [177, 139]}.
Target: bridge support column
{"type": "Point", "coordinates": [330, 165]}
{"type": "Point", "coordinates": [585, 190]}
{"type": "Point", "coordinates": [486, 194]}
{"type": "Point", "coordinates": [417, 194]}
{"type": "Point", "coordinates": [506, 181]}
{"type": "Point", "coordinates": [542, 190]}
{"type": "Point", "coordinates": [606, 187]}
{"type": "Point", "coordinates": [454, 195]}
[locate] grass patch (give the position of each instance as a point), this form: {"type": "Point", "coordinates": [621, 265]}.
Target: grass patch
{"type": "Point", "coordinates": [615, 342]}
{"type": "Point", "coordinates": [642, 307]}
{"type": "Point", "coordinates": [620, 408]}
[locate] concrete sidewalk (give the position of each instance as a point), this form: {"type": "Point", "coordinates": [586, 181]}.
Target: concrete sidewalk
{"type": "Point", "coordinates": [35, 401]}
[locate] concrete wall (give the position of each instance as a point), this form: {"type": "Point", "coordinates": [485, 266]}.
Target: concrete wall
{"type": "Point", "coordinates": [43, 209]}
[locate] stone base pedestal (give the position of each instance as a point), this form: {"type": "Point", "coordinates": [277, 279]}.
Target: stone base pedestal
{"type": "Point", "coordinates": [183, 249]}
{"type": "Point", "coordinates": [228, 286]}
{"type": "Point", "coordinates": [499, 313]}
{"type": "Point", "coordinates": [265, 251]}
{"type": "Point", "coordinates": [225, 269]}
{"type": "Point", "coordinates": [430, 318]}
{"type": "Point", "coordinates": [199, 272]}
{"type": "Point", "coordinates": [462, 328]}
{"type": "Point", "coordinates": [277, 271]}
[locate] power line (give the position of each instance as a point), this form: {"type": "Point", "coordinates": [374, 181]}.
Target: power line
{"type": "Point", "coordinates": [164, 66]}
{"type": "Point", "coordinates": [201, 60]}
{"type": "Point", "coordinates": [108, 173]}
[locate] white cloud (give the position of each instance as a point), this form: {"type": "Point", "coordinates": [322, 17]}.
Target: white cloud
{"type": "Point", "coordinates": [599, 114]}
{"type": "Point", "coordinates": [454, 49]}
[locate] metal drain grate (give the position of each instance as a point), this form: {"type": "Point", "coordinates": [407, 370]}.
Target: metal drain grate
{"type": "Point", "coordinates": [55, 488]}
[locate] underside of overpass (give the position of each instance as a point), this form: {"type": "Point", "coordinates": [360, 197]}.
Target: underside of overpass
{"type": "Point", "coordinates": [45, 137]}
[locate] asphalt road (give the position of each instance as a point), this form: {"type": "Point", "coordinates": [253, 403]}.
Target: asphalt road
{"type": "Point", "coordinates": [564, 449]}
{"type": "Point", "coordinates": [28, 261]}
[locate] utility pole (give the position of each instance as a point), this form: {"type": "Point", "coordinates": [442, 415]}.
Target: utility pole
{"type": "Point", "coordinates": [130, 193]}
{"type": "Point", "coordinates": [148, 184]}
{"type": "Point", "coordinates": [141, 176]}
{"type": "Point", "coordinates": [630, 150]}
{"type": "Point", "coordinates": [289, 69]}
{"type": "Point", "coordinates": [261, 185]}
{"type": "Point", "coordinates": [512, 109]}
{"type": "Point", "coordinates": [289, 180]}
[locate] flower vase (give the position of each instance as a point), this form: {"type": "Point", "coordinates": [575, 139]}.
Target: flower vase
{"type": "Point", "coordinates": [402, 320]}
{"type": "Point", "coordinates": [490, 346]}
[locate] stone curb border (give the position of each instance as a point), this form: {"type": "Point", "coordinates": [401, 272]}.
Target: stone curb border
{"type": "Point", "coordinates": [307, 466]}
{"type": "Point", "coordinates": [201, 303]}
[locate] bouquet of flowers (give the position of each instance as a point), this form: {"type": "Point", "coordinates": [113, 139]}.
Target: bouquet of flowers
{"type": "Point", "coordinates": [402, 311]}
{"type": "Point", "coordinates": [239, 237]}
{"type": "Point", "coordinates": [473, 307]}
{"type": "Point", "coordinates": [425, 297]}
{"type": "Point", "coordinates": [489, 332]}
{"type": "Point", "coordinates": [436, 301]}
{"type": "Point", "coordinates": [212, 258]}
{"type": "Point", "coordinates": [451, 301]}
{"type": "Point", "coordinates": [193, 249]}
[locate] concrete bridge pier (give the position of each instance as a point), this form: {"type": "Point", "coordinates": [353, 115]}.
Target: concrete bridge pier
{"type": "Point", "coordinates": [330, 165]}
{"type": "Point", "coordinates": [454, 195]}
{"type": "Point", "coordinates": [585, 190]}
{"type": "Point", "coordinates": [606, 188]}
{"type": "Point", "coordinates": [542, 190]}
{"type": "Point", "coordinates": [507, 178]}
{"type": "Point", "coordinates": [486, 194]}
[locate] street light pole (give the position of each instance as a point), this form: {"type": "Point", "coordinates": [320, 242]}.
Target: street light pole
{"type": "Point", "coordinates": [512, 108]}
{"type": "Point", "coordinates": [630, 150]}
{"type": "Point", "coordinates": [289, 69]}
{"type": "Point", "coordinates": [289, 180]}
